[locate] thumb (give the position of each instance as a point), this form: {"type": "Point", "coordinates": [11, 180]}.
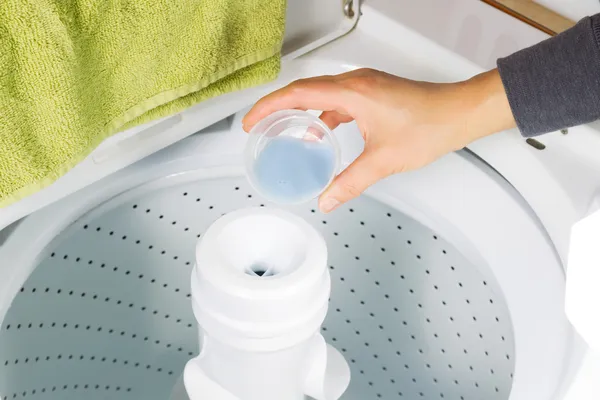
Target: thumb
{"type": "Point", "coordinates": [362, 173]}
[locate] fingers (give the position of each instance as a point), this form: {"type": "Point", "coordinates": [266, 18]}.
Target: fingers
{"type": "Point", "coordinates": [316, 94]}
{"type": "Point", "coordinates": [333, 119]}
{"type": "Point", "coordinates": [325, 93]}
{"type": "Point", "coordinates": [361, 174]}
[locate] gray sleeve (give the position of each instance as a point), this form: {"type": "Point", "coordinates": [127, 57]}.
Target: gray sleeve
{"type": "Point", "coordinates": [555, 84]}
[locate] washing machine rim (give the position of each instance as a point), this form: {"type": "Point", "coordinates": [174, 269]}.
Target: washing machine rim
{"type": "Point", "coordinates": [407, 193]}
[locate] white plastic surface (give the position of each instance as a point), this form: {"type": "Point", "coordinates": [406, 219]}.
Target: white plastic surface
{"type": "Point", "coordinates": [586, 385]}
{"type": "Point", "coordinates": [198, 385]}
{"type": "Point", "coordinates": [582, 300]}
{"type": "Point", "coordinates": [470, 29]}
{"type": "Point", "coordinates": [313, 369]}
{"type": "Point", "coordinates": [260, 293]}
{"type": "Point", "coordinates": [261, 281]}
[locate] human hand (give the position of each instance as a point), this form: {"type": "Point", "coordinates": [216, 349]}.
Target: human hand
{"type": "Point", "coordinates": [405, 124]}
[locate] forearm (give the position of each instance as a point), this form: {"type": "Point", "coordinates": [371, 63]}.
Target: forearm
{"type": "Point", "coordinates": [486, 106]}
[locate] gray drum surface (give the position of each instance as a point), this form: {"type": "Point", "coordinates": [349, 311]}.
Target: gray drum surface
{"type": "Point", "coordinates": [107, 314]}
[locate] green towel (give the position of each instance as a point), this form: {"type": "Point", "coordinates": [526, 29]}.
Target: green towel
{"type": "Point", "coordinates": [74, 72]}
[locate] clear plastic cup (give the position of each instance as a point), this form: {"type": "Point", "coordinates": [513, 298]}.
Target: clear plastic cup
{"type": "Point", "coordinates": [291, 157]}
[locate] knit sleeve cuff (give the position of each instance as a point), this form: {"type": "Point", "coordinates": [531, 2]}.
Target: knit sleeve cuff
{"type": "Point", "coordinates": [556, 83]}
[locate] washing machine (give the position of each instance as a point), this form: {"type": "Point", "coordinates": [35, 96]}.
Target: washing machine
{"type": "Point", "coordinates": [447, 282]}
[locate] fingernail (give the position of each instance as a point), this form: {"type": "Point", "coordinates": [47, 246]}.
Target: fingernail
{"type": "Point", "coordinates": [329, 204]}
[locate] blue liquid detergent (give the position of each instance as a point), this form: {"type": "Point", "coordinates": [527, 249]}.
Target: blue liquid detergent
{"type": "Point", "coordinates": [291, 170]}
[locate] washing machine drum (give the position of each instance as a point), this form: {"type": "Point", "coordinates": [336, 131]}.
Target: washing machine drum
{"type": "Point", "coordinates": [106, 311]}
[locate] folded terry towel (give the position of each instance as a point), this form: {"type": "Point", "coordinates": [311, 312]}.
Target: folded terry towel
{"type": "Point", "coordinates": [73, 72]}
